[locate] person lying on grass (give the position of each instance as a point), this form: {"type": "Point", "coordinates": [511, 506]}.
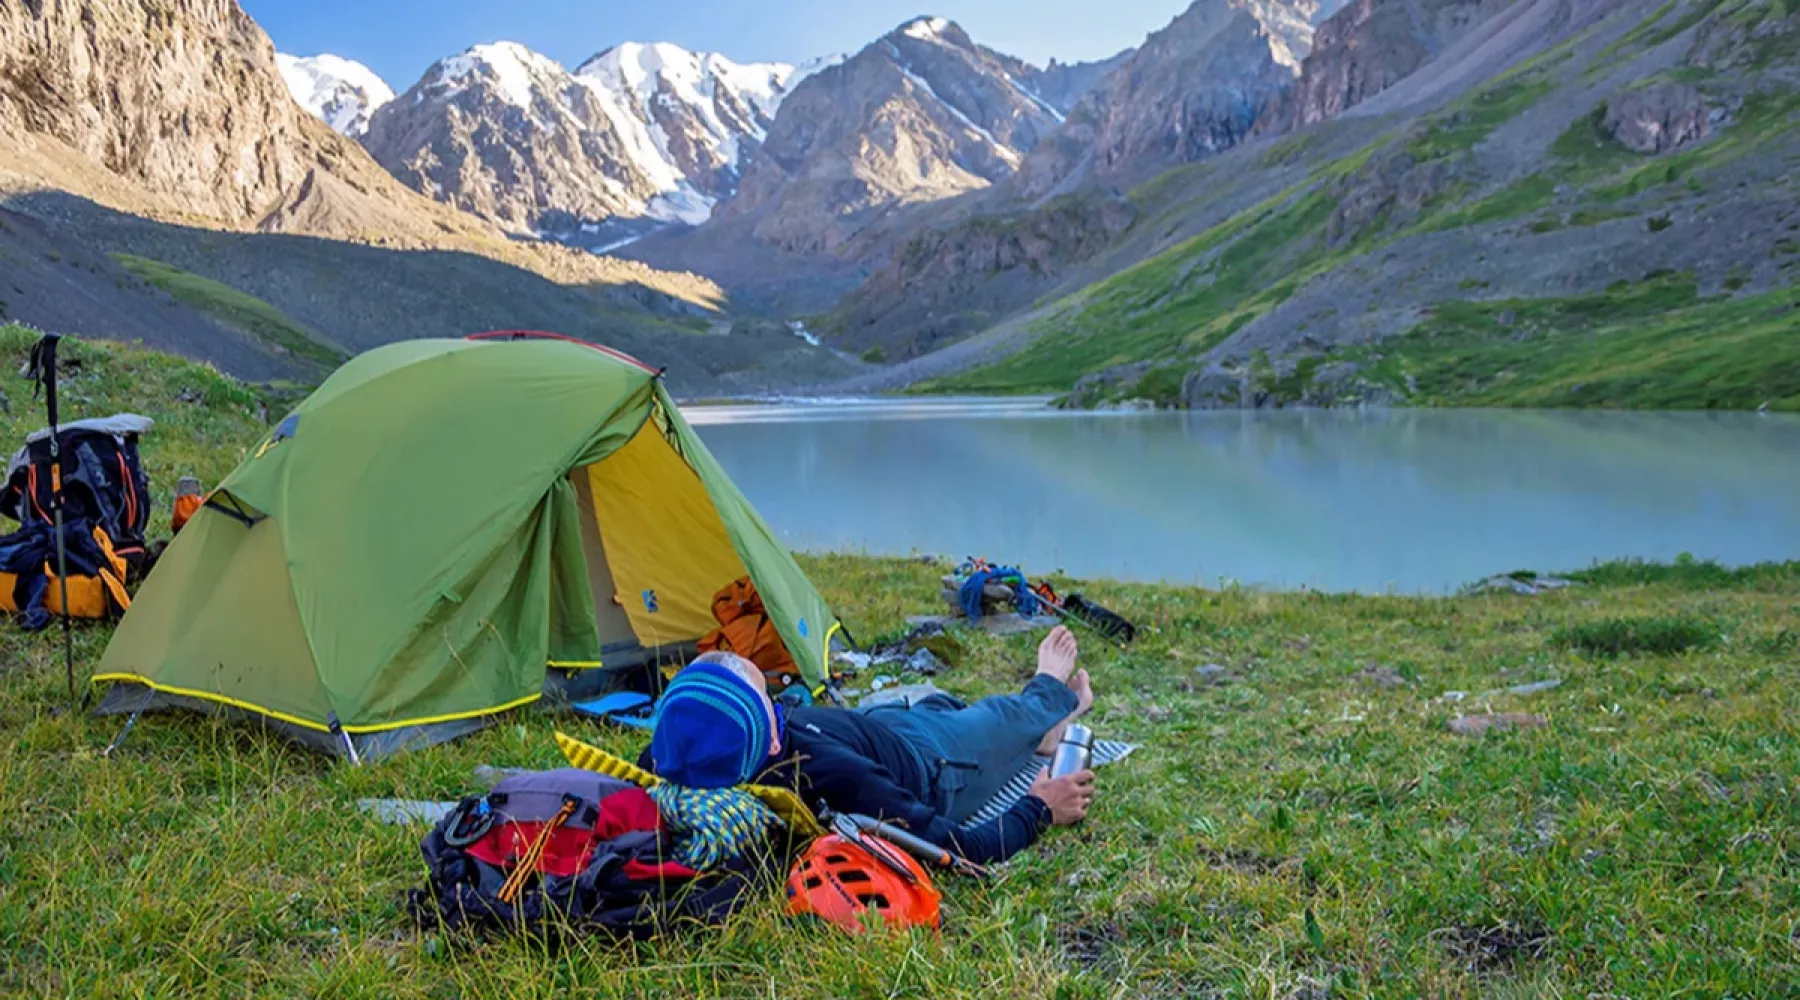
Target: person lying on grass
{"type": "Point", "coordinates": [928, 767]}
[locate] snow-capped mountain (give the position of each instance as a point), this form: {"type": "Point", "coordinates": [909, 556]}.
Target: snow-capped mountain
{"type": "Point", "coordinates": [509, 134]}
{"type": "Point", "coordinates": [341, 91]}
{"type": "Point", "coordinates": [652, 133]}
{"type": "Point", "coordinates": [689, 119]}
{"type": "Point", "coordinates": [642, 136]}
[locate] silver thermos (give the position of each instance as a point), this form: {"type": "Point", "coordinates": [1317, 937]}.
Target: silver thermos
{"type": "Point", "coordinates": [1074, 752]}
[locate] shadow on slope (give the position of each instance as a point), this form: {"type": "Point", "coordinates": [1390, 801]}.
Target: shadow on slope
{"type": "Point", "coordinates": [360, 297]}
{"type": "Point", "coordinates": [66, 285]}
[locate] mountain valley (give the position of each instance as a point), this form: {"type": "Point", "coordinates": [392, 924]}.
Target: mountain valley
{"type": "Point", "coordinates": [1267, 203]}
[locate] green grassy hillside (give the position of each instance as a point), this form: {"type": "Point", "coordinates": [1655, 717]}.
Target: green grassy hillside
{"type": "Point", "coordinates": [1299, 823]}
{"type": "Point", "coordinates": [233, 308]}
{"type": "Point", "coordinates": [1657, 345]}
{"type": "Point", "coordinates": [1374, 223]}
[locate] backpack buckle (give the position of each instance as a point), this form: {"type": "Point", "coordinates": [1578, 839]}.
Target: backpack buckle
{"type": "Point", "coordinates": [470, 822]}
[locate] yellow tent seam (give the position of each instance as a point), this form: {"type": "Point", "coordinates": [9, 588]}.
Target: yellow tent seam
{"type": "Point", "coordinates": [455, 717]}
{"type": "Point", "coordinates": [209, 696]}
{"type": "Point", "coordinates": [294, 720]}
{"type": "Point", "coordinates": [825, 656]}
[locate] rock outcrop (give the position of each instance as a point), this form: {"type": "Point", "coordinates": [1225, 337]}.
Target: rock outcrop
{"type": "Point", "coordinates": [1368, 47]}
{"type": "Point", "coordinates": [1657, 118]}
{"type": "Point", "coordinates": [180, 97]}
{"type": "Point", "coordinates": [1304, 381]}
{"type": "Point", "coordinates": [945, 283]}
{"type": "Point", "coordinates": [924, 113]}
{"type": "Point", "coordinates": [1063, 85]}
{"type": "Point", "coordinates": [1193, 89]}
{"type": "Point", "coordinates": [1392, 189]}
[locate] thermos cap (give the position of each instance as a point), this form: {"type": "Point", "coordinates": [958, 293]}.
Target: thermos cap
{"type": "Point", "coordinates": [1078, 734]}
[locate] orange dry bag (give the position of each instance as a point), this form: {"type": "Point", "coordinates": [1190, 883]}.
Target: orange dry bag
{"type": "Point", "coordinates": [746, 629]}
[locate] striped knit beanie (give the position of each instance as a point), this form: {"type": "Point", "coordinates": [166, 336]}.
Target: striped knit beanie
{"type": "Point", "coordinates": [712, 729]}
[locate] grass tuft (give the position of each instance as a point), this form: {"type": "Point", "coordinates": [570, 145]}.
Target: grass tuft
{"type": "Point", "coordinates": [1690, 573]}
{"type": "Point", "coordinates": [1664, 635]}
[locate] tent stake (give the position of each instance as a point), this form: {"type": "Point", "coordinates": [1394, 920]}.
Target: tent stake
{"type": "Point", "coordinates": [337, 729]}
{"type": "Point", "coordinates": [119, 740]}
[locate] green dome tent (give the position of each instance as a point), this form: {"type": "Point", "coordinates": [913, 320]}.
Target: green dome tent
{"type": "Point", "coordinates": [433, 531]}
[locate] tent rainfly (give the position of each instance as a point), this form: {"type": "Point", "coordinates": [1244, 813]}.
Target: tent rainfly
{"type": "Point", "coordinates": [439, 530]}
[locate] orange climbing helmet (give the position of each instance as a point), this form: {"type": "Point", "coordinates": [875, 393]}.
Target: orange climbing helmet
{"type": "Point", "coordinates": [838, 880]}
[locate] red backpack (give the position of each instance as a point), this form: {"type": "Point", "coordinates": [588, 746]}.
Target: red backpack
{"type": "Point", "coordinates": [567, 849]}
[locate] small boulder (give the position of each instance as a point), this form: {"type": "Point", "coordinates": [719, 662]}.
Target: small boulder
{"type": "Point", "coordinates": [1212, 388]}
{"type": "Point", "coordinates": [1381, 675]}
{"type": "Point", "coordinates": [1481, 725]}
{"type": "Point", "coordinates": [924, 661]}
{"type": "Point", "coordinates": [1095, 388]}
{"type": "Point", "coordinates": [1658, 118]}
{"type": "Point", "coordinates": [1134, 405]}
{"type": "Point", "coordinates": [1212, 674]}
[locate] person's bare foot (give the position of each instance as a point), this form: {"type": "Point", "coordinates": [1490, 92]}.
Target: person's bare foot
{"type": "Point", "coordinates": [1056, 654]}
{"type": "Point", "coordinates": [1083, 686]}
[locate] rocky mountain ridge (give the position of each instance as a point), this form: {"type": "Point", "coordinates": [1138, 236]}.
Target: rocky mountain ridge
{"type": "Point", "coordinates": [178, 112]}
{"type": "Point", "coordinates": [509, 135]}
{"type": "Point", "coordinates": [708, 112]}
{"type": "Point", "coordinates": [923, 113]}
{"type": "Point", "coordinates": [1193, 89]}
{"type": "Point", "coordinates": [1063, 85]}
{"type": "Point", "coordinates": [645, 139]}
{"type": "Point", "coordinates": [860, 156]}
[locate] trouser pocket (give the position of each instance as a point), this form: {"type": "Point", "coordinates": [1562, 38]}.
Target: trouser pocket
{"type": "Point", "coordinates": [950, 781]}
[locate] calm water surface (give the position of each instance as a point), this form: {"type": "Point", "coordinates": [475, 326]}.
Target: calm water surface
{"type": "Point", "coordinates": [1409, 501]}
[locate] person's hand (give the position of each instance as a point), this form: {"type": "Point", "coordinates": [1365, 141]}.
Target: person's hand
{"type": "Point", "coordinates": [1068, 797]}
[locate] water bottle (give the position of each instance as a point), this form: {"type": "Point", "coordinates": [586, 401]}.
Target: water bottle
{"type": "Point", "coordinates": [1073, 752]}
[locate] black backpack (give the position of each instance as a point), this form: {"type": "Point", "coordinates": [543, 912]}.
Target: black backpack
{"type": "Point", "coordinates": [102, 478]}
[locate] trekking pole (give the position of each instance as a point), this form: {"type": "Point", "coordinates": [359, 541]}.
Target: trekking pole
{"type": "Point", "coordinates": [42, 368]}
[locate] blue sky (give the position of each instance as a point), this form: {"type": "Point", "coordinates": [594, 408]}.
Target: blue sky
{"type": "Point", "coordinates": [400, 38]}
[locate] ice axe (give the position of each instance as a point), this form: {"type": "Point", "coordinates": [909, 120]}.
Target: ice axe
{"type": "Point", "coordinates": [852, 827]}
{"type": "Point", "coordinates": [1112, 626]}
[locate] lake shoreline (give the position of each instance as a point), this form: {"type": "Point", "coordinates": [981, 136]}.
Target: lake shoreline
{"type": "Point", "coordinates": [1421, 501]}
